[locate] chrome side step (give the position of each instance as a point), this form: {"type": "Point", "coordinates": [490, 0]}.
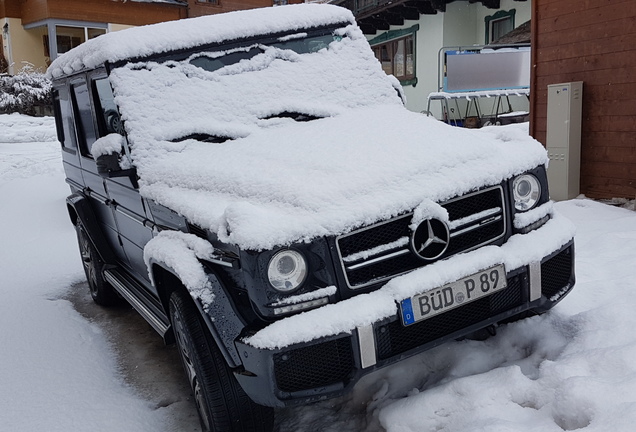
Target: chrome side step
{"type": "Point", "coordinates": [115, 280]}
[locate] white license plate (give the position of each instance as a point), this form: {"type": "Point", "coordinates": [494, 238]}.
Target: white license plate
{"type": "Point", "coordinates": [456, 294]}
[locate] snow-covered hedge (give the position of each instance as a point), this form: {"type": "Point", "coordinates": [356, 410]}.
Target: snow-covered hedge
{"type": "Point", "coordinates": [28, 92]}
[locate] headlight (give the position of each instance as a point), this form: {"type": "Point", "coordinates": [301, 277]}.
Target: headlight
{"type": "Point", "coordinates": [287, 270]}
{"type": "Point", "coordinates": [527, 191]}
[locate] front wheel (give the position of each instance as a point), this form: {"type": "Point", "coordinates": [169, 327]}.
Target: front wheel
{"type": "Point", "coordinates": [222, 404]}
{"type": "Point", "coordinates": [101, 291]}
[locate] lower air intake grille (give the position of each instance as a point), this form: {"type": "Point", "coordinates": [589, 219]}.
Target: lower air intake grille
{"type": "Point", "coordinates": [556, 273]}
{"type": "Point", "coordinates": [393, 338]}
{"type": "Point", "coordinates": [314, 366]}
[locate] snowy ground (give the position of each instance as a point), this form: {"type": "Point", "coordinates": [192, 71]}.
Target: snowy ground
{"type": "Point", "coordinates": [571, 369]}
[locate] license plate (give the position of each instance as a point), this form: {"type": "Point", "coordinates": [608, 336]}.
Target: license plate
{"type": "Point", "coordinates": [456, 294]}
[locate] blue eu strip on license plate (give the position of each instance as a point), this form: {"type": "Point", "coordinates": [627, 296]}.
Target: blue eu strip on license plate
{"type": "Point", "coordinates": [437, 301]}
{"type": "Point", "coordinates": [407, 312]}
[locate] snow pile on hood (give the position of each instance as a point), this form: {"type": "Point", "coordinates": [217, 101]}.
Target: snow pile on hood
{"type": "Point", "coordinates": [186, 33]}
{"type": "Point", "coordinates": [328, 176]}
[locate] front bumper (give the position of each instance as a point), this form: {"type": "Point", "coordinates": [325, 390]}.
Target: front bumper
{"type": "Point", "coordinates": [277, 373]}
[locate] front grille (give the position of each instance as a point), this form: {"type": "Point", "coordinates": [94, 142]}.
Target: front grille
{"type": "Point", "coordinates": [197, 231]}
{"type": "Point", "coordinates": [314, 366]}
{"type": "Point", "coordinates": [394, 338]}
{"type": "Point", "coordinates": [556, 273]}
{"type": "Point", "coordinates": [382, 251]}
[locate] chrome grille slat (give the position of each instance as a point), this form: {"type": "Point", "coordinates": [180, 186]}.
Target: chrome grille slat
{"type": "Point", "coordinates": [474, 227]}
{"type": "Point", "coordinates": [376, 253]}
{"type": "Point", "coordinates": [377, 260]}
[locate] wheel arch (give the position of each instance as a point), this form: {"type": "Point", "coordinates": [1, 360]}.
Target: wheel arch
{"type": "Point", "coordinates": [80, 211]}
{"type": "Point", "coordinates": [167, 281]}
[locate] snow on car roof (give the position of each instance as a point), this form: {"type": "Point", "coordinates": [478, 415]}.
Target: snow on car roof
{"type": "Point", "coordinates": [186, 33]}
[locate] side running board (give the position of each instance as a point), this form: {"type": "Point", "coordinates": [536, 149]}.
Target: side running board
{"type": "Point", "coordinates": [120, 283]}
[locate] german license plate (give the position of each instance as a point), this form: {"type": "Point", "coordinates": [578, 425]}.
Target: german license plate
{"type": "Point", "coordinates": [456, 294]}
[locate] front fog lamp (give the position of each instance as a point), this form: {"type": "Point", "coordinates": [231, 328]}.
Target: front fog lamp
{"type": "Point", "coordinates": [527, 191]}
{"type": "Point", "coordinates": [287, 270]}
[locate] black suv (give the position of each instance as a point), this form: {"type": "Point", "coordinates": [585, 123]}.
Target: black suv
{"type": "Point", "coordinates": [253, 186]}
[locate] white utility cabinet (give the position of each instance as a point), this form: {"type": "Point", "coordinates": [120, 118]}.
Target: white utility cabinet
{"type": "Point", "coordinates": [563, 140]}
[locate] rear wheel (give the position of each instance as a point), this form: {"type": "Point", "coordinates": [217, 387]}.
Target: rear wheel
{"type": "Point", "coordinates": [222, 404]}
{"type": "Point", "coordinates": [101, 291]}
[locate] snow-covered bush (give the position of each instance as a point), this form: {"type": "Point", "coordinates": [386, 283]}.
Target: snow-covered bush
{"type": "Point", "coordinates": [28, 92]}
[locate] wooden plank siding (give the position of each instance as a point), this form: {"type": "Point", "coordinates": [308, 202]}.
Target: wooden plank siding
{"type": "Point", "coordinates": [593, 41]}
{"type": "Point", "coordinates": [105, 11]}
{"type": "Point", "coordinates": [9, 9]}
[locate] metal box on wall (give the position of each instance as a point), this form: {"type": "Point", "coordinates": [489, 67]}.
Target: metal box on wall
{"type": "Point", "coordinates": [563, 140]}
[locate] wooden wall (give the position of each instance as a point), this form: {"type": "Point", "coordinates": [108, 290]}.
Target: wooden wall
{"type": "Point", "coordinates": [9, 8]}
{"type": "Point", "coordinates": [593, 41]}
{"type": "Point", "coordinates": [198, 8]}
{"type": "Point", "coordinates": [104, 11]}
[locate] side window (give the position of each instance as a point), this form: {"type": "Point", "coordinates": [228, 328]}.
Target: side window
{"type": "Point", "coordinates": [64, 118]}
{"type": "Point", "coordinates": [107, 115]}
{"type": "Point", "coordinates": [83, 117]}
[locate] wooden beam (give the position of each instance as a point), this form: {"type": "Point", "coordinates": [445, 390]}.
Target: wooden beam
{"type": "Point", "coordinates": [423, 6]}
{"type": "Point", "coordinates": [438, 5]}
{"type": "Point", "coordinates": [367, 29]}
{"type": "Point", "coordinates": [408, 13]}
{"type": "Point", "coordinates": [392, 18]}
{"type": "Point", "coordinates": [376, 23]}
{"type": "Point", "coordinates": [491, 4]}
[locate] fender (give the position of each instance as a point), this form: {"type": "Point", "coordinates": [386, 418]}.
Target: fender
{"type": "Point", "coordinates": [79, 209]}
{"type": "Point", "coordinates": [221, 318]}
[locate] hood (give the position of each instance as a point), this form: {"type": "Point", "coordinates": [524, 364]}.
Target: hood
{"type": "Point", "coordinates": [290, 182]}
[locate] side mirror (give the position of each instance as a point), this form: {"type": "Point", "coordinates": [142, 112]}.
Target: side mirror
{"type": "Point", "coordinates": [107, 164]}
{"type": "Point", "coordinates": [106, 152]}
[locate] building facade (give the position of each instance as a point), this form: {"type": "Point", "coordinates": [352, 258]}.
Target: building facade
{"type": "Point", "coordinates": [407, 35]}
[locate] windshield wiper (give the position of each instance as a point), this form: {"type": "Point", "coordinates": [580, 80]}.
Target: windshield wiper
{"type": "Point", "coordinates": [203, 137]}
{"type": "Point", "coordinates": [297, 116]}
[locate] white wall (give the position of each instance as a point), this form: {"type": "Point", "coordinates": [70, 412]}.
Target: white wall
{"type": "Point", "coordinates": [428, 41]}
{"type": "Point", "coordinates": [461, 25]}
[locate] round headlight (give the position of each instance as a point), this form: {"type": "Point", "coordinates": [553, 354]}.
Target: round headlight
{"type": "Point", "coordinates": [527, 191]}
{"type": "Point", "coordinates": [287, 270]}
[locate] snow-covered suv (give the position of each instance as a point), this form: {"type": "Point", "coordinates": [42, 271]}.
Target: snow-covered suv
{"type": "Point", "coordinates": [252, 184]}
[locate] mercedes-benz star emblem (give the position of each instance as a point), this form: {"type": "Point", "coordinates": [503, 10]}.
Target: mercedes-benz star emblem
{"type": "Point", "coordinates": [430, 239]}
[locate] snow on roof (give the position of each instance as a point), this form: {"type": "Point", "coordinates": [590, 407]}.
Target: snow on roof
{"type": "Point", "coordinates": [186, 33]}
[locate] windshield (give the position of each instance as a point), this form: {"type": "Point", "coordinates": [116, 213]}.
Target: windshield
{"type": "Point", "coordinates": [299, 44]}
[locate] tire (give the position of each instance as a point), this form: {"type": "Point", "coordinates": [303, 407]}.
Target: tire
{"type": "Point", "coordinates": [222, 404]}
{"type": "Point", "coordinates": [113, 121]}
{"type": "Point", "coordinates": [101, 291]}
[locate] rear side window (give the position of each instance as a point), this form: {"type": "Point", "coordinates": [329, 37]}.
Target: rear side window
{"type": "Point", "coordinates": [83, 117]}
{"type": "Point", "coordinates": [64, 118]}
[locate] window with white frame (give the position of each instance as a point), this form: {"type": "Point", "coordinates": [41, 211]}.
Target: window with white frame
{"type": "Point", "coordinates": [396, 52]}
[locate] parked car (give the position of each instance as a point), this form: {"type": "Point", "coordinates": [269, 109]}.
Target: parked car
{"type": "Point", "coordinates": [252, 184]}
